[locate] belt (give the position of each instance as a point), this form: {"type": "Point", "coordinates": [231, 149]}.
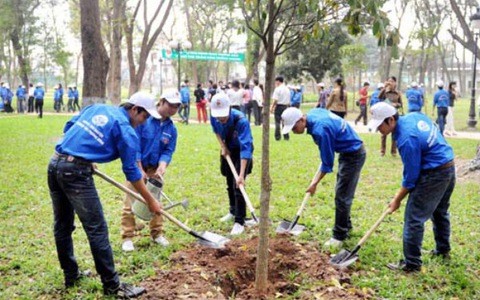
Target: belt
{"type": "Point", "coordinates": [442, 167]}
{"type": "Point", "coordinates": [72, 159]}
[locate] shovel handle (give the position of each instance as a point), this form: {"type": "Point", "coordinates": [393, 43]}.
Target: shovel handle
{"type": "Point", "coordinates": [139, 198]}
{"type": "Point", "coordinates": [372, 229]}
{"type": "Point", "coordinates": [241, 187]}
{"type": "Point", "coordinates": [304, 202]}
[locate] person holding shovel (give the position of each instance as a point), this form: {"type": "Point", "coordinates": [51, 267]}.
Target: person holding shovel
{"type": "Point", "coordinates": [428, 180]}
{"type": "Point", "coordinates": [99, 134]}
{"type": "Point", "coordinates": [332, 134]}
{"type": "Point", "coordinates": [233, 133]}
{"type": "Point", "coordinates": [158, 139]}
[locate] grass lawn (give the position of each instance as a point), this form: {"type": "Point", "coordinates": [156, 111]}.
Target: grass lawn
{"type": "Point", "coordinates": [29, 268]}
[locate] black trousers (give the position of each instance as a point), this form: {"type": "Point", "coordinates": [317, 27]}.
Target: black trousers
{"type": "Point", "coordinates": [257, 112]}
{"type": "Point", "coordinates": [278, 120]}
{"type": "Point", "coordinates": [235, 197]}
{"type": "Point", "coordinates": [30, 104]}
{"type": "Point", "coordinates": [39, 107]}
{"type": "Point", "coordinates": [363, 114]}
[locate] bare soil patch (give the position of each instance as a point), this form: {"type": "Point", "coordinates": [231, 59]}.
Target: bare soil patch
{"type": "Point", "coordinates": [295, 269]}
{"type": "Point", "coordinates": [466, 171]}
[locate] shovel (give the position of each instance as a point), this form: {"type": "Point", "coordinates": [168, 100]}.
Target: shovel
{"type": "Point", "coordinates": [345, 258]}
{"type": "Point", "coordinates": [242, 188]}
{"type": "Point", "coordinates": [292, 227]}
{"type": "Point", "coordinates": [205, 238]}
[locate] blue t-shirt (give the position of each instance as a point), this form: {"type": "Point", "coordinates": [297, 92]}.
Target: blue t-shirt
{"type": "Point", "coordinates": [441, 98]}
{"type": "Point", "coordinates": [374, 97]}
{"type": "Point", "coordinates": [39, 93]}
{"type": "Point", "coordinates": [100, 134]}
{"type": "Point", "coordinates": [296, 98]}
{"type": "Point", "coordinates": [241, 135]}
{"type": "Point", "coordinates": [415, 100]}
{"type": "Point", "coordinates": [157, 142]}
{"type": "Point", "coordinates": [20, 93]}
{"type": "Point", "coordinates": [421, 146]}
{"type": "Point", "coordinates": [71, 94]}
{"type": "Point", "coordinates": [185, 95]}
{"type": "Point", "coordinates": [57, 95]}
{"type": "Point", "coordinates": [331, 134]}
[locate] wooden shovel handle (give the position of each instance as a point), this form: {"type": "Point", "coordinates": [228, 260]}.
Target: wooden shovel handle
{"type": "Point", "coordinates": [241, 187]}
{"type": "Point", "coordinates": [372, 229]}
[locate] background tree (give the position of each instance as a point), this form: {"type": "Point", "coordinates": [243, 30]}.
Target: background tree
{"type": "Point", "coordinates": [95, 57]}
{"type": "Point", "coordinates": [353, 63]}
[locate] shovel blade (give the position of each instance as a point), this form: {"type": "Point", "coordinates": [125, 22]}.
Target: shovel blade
{"type": "Point", "coordinates": [212, 240]}
{"type": "Point", "coordinates": [343, 259]}
{"type": "Point", "coordinates": [284, 227]}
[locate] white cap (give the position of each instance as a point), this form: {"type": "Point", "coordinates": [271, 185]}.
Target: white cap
{"type": "Point", "coordinates": [145, 101]}
{"type": "Point", "coordinates": [414, 84]}
{"type": "Point", "coordinates": [220, 105]}
{"type": "Point", "coordinates": [39, 84]}
{"type": "Point", "coordinates": [380, 111]}
{"type": "Point", "coordinates": [321, 84]}
{"type": "Point", "coordinates": [440, 83]}
{"type": "Point", "coordinates": [172, 96]}
{"type": "Point", "coordinates": [6, 85]}
{"type": "Point", "coordinates": [290, 116]}
{"type": "Point", "coordinates": [380, 85]}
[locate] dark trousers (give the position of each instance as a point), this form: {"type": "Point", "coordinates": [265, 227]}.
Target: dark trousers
{"type": "Point", "coordinates": [72, 190]}
{"type": "Point", "coordinates": [249, 110]}
{"type": "Point", "coordinates": [430, 199]}
{"type": "Point", "coordinates": [442, 113]}
{"type": "Point", "coordinates": [75, 104]}
{"type": "Point", "coordinates": [341, 114]}
{"type": "Point", "coordinates": [349, 168]}
{"type": "Point", "coordinates": [278, 119]}
{"type": "Point", "coordinates": [257, 112]}
{"type": "Point", "coordinates": [20, 105]}
{"type": "Point", "coordinates": [70, 105]}
{"type": "Point", "coordinates": [184, 112]}
{"type": "Point", "coordinates": [363, 114]}
{"type": "Point", "coordinates": [235, 197]}
{"type": "Point", "coordinates": [57, 106]}
{"type": "Point", "coordinates": [30, 104]}
{"type": "Point", "coordinates": [297, 105]}
{"type": "Point", "coordinates": [39, 107]}
{"type": "Point", "coordinates": [384, 145]}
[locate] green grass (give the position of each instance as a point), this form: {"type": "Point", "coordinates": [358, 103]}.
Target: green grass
{"type": "Point", "coordinates": [29, 268]}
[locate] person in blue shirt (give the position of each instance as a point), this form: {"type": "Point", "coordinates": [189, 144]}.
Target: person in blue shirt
{"type": "Point", "coordinates": [99, 134]}
{"type": "Point", "coordinates": [374, 96]}
{"type": "Point", "coordinates": [232, 130]}
{"type": "Point", "coordinates": [60, 93]}
{"type": "Point", "coordinates": [184, 110]}
{"type": "Point", "coordinates": [56, 100]}
{"type": "Point", "coordinates": [332, 134]}
{"type": "Point", "coordinates": [71, 98]}
{"type": "Point", "coordinates": [441, 100]}
{"type": "Point", "coordinates": [295, 96]}
{"type": "Point", "coordinates": [2, 89]}
{"type": "Point", "coordinates": [428, 180]}
{"type": "Point", "coordinates": [20, 93]}
{"type": "Point", "coordinates": [39, 94]}
{"type": "Point", "coordinates": [7, 98]}
{"type": "Point", "coordinates": [414, 98]}
{"type": "Point", "coordinates": [75, 100]}
{"type": "Point", "coordinates": [158, 139]}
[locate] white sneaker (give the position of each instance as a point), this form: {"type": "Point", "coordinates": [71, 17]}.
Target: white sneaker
{"type": "Point", "coordinates": [161, 241]}
{"type": "Point", "coordinates": [250, 222]}
{"type": "Point", "coordinates": [333, 243]}
{"type": "Point", "coordinates": [227, 217]}
{"type": "Point", "coordinates": [237, 229]}
{"type": "Point", "coordinates": [127, 246]}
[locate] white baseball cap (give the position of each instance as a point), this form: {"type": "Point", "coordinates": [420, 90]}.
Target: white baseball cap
{"type": "Point", "coordinates": [39, 84]}
{"type": "Point", "coordinates": [290, 116]}
{"type": "Point", "coordinates": [380, 85]}
{"type": "Point", "coordinates": [321, 84]}
{"type": "Point", "coordinates": [220, 105]}
{"type": "Point", "coordinates": [440, 83]}
{"type": "Point", "coordinates": [145, 101]}
{"type": "Point", "coordinates": [380, 111]}
{"type": "Point", "coordinates": [172, 96]}
{"type": "Point", "coordinates": [414, 84]}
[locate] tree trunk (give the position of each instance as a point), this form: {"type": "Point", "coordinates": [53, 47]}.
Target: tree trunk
{"type": "Point", "coordinates": [22, 62]}
{"type": "Point", "coordinates": [116, 52]}
{"type": "Point", "coordinates": [261, 272]}
{"type": "Point", "coordinates": [95, 57]}
{"type": "Point", "coordinates": [253, 55]}
{"type": "Point", "coordinates": [190, 36]}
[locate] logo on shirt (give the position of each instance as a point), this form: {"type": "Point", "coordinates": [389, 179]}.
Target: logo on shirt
{"type": "Point", "coordinates": [423, 126]}
{"type": "Point", "coordinates": [100, 120]}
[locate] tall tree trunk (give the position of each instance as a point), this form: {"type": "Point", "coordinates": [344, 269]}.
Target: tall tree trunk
{"type": "Point", "coordinates": [116, 52]}
{"type": "Point", "coordinates": [253, 55]}
{"type": "Point", "coordinates": [95, 57]}
{"type": "Point", "coordinates": [261, 272]}
{"type": "Point", "coordinates": [22, 62]}
{"type": "Point", "coordinates": [190, 37]}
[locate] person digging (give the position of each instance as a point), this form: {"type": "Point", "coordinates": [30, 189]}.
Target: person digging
{"type": "Point", "coordinates": [428, 180]}
{"type": "Point", "coordinates": [232, 130]}
{"type": "Point", "coordinates": [158, 139]}
{"type": "Point", "coordinates": [332, 134]}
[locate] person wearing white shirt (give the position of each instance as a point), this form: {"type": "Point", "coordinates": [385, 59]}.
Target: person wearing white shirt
{"type": "Point", "coordinates": [235, 95]}
{"type": "Point", "coordinates": [257, 102]}
{"type": "Point", "coordinates": [281, 101]}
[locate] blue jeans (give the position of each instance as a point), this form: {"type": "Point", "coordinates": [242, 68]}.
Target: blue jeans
{"type": "Point", "coordinates": [442, 113]}
{"type": "Point", "coordinates": [184, 111]}
{"type": "Point", "coordinates": [349, 167]}
{"type": "Point", "coordinates": [429, 199]}
{"type": "Point", "coordinates": [72, 190]}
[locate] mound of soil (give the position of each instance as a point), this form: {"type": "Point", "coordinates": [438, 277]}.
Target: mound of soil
{"type": "Point", "coordinates": [204, 273]}
{"type": "Point", "coordinates": [467, 171]}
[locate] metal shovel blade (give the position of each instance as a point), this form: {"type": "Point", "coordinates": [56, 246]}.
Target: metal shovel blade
{"type": "Point", "coordinates": [212, 240]}
{"type": "Point", "coordinates": [343, 259]}
{"type": "Point", "coordinates": [284, 227]}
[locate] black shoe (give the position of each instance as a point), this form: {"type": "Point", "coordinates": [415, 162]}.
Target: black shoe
{"type": "Point", "coordinates": [81, 275]}
{"type": "Point", "coordinates": [443, 255]}
{"type": "Point", "coordinates": [125, 291]}
{"type": "Point", "coordinates": [402, 266]}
